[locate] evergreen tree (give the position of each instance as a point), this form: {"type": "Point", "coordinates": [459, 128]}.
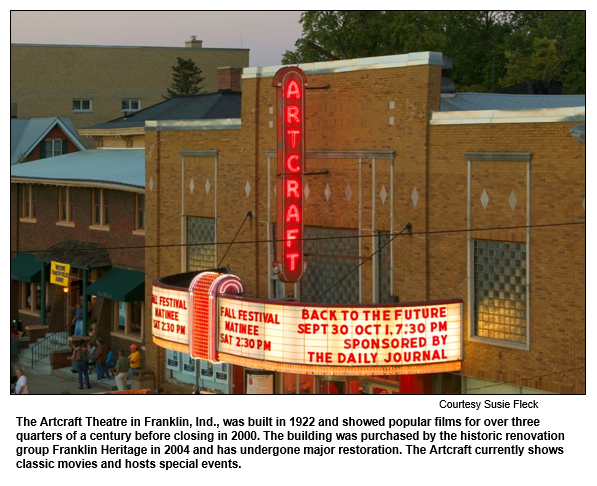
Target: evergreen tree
{"type": "Point", "coordinates": [186, 79]}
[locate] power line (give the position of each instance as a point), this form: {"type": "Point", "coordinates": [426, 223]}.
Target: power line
{"type": "Point", "coordinates": [408, 228]}
{"type": "Point", "coordinates": [248, 242]}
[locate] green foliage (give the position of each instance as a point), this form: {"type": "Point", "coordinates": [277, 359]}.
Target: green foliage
{"type": "Point", "coordinates": [186, 79]}
{"type": "Point", "coordinates": [489, 48]}
{"type": "Point", "coordinates": [545, 61]}
{"type": "Point", "coordinates": [349, 34]}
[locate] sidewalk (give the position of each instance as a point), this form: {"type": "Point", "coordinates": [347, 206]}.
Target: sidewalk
{"type": "Point", "coordinates": [62, 381]}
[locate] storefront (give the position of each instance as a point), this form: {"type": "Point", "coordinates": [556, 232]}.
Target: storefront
{"type": "Point", "coordinates": [208, 327]}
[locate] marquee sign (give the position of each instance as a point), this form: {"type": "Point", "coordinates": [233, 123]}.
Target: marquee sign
{"type": "Point", "coordinates": [170, 317]}
{"type": "Point", "coordinates": [364, 339]}
{"type": "Point", "coordinates": [290, 82]}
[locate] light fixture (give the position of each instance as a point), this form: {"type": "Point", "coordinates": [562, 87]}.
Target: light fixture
{"type": "Point", "coordinates": [578, 133]}
{"type": "Point", "coordinates": [65, 290]}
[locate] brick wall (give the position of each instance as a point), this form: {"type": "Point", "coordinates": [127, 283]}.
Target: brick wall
{"type": "Point", "coordinates": [125, 249]}
{"type": "Point", "coordinates": [230, 78]}
{"type": "Point", "coordinates": [557, 253]}
{"type": "Point", "coordinates": [45, 79]}
{"type": "Point", "coordinates": [353, 111]}
{"type": "Point", "coordinates": [347, 115]}
{"type": "Point", "coordinates": [31, 237]}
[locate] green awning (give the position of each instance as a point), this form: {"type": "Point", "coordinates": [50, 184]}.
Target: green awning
{"type": "Point", "coordinates": [120, 284]}
{"type": "Point", "coordinates": [25, 268]}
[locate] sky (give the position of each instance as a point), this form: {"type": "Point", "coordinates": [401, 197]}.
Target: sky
{"type": "Point", "coordinates": [267, 34]}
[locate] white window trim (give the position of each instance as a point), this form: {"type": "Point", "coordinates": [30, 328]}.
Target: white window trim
{"type": "Point", "coordinates": [82, 110]}
{"type": "Point", "coordinates": [55, 141]}
{"type": "Point", "coordinates": [129, 100]}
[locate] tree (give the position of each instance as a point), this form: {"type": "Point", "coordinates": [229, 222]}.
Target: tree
{"type": "Point", "coordinates": [350, 34]}
{"type": "Point", "coordinates": [545, 61]}
{"type": "Point", "coordinates": [186, 79]}
{"type": "Point", "coordinates": [489, 47]}
{"type": "Point", "coordinates": [562, 36]}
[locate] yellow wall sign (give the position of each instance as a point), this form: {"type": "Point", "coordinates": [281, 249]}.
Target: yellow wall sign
{"type": "Point", "coordinates": [59, 273]}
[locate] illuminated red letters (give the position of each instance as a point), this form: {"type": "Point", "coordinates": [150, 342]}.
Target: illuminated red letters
{"type": "Point", "coordinates": [290, 83]}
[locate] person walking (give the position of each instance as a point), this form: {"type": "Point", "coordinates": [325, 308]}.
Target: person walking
{"type": "Point", "coordinates": [101, 355]}
{"type": "Point", "coordinates": [78, 320]}
{"type": "Point", "coordinates": [81, 358]}
{"type": "Point", "coordinates": [121, 369]}
{"type": "Point", "coordinates": [21, 387]}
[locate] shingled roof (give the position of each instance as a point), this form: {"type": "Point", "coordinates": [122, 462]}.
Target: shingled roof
{"type": "Point", "coordinates": [221, 105]}
{"type": "Point", "coordinates": [80, 254]}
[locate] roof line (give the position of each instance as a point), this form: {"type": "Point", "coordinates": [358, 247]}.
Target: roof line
{"type": "Point", "coordinates": [57, 121]}
{"type": "Point", "coordinates": [102, 46]}
{"type": "Point", "coordinates": [536, 115]}
{"type": "Point", "coordinates": [346, 65]}
{"type": "Point", "coordinates": [78, 183]}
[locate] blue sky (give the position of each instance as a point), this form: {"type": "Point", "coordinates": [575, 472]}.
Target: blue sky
{"type": "Point", "coordinates": [267, 34]}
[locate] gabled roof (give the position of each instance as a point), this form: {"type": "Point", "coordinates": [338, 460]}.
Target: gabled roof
{"type": "Point", "coordinates": [25, 134]}
{"type": "Point", "coordinates": [223, 104]}
{"type": "Point", "coordinates": [495, 101]}
{"type": "Point", "coordinates": [109, 168]}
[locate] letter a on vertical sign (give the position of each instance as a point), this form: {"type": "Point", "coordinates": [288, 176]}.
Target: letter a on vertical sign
{"type": "Point", "coordinates": [290, 83]}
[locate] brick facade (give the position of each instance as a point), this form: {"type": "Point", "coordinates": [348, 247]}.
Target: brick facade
{"type": "Point", "coordinates": [126, 250]}
{"type": "Point", "coordinates": [46, 78]}
{"type": "Point", "coordinates": [388, 110]}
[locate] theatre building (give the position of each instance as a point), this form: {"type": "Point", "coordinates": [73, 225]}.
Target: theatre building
{"type": "Point", "coordinates": [372, 235]}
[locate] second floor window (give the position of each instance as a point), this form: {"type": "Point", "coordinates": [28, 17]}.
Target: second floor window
{"type": "Point", "coordinates": [66, 205]}
{"type": "Point", "coordinates": [28, 201]}
{"type": "Point", "coordinates": [131, 105]}
{"type": "Point", "coordinates": [101, 215]}
{"type": "Point", "coordinates": [81, 105]}
{"type": "Point", "coordinates": [140, 212]}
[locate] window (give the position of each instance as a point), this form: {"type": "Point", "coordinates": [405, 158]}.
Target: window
{"type": "Point", "coordinates": [101, 214]}
{"type": "Point", "coordinates": [28, 197]}
{"type": "Point", "coordinates": [66, 204]}
{"type": "Point", "coordinates": [140, 212]}
{"type": "Point", "coordinates": [332, 254]}
{"type": "Point", "coordinates": [128, 318]}
{"type": "Point", "coordinates": [31, 297]}
{"type": "Point", "coordinates": [200, 256]}
{"type": "Point", "coordinates": [131, 105]}
{"type": "Point", "coordinates": [53, 147]}
{"type": "Point", "coordinates": [500, 291]}
{"type": "Point", "coordinates": [81, 105]}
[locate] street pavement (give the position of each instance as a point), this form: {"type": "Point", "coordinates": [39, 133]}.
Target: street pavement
{"type": "Point", "coordinates": [62, 382]}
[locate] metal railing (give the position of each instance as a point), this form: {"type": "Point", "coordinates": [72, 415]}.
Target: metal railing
{"type": "Point", "coordinates": [43, 348]}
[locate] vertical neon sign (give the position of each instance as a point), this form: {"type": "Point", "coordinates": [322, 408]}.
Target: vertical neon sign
{"type": "Point", "coordinates": [290, 83]}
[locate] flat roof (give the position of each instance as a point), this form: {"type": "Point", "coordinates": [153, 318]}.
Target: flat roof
{"type": "Point", "coordinates": [134, 47]}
